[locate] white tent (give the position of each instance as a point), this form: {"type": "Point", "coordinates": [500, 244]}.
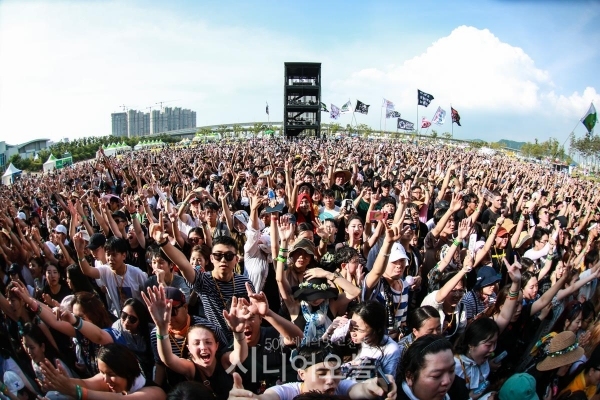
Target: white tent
{"type": "Point", "coordinates": [50, 164]}
{"type": "Point", "coordinates": [10, 174]}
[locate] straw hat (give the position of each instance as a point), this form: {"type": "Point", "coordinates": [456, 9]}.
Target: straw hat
{"type": "Point", "coordinates": [562, 350]}
{"type": "Point", "coordinates": [523, 238]}
{"type": "Point", "coordinates": [347, 174]}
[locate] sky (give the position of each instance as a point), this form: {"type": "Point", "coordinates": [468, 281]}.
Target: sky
{"type": "Point", "coordinates": [514, 69]}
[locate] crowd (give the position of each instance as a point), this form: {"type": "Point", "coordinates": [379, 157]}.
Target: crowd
{"type": "Point", "coordinates": [272, 269]}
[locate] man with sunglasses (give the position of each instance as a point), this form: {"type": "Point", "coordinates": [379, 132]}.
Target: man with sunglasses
{"type": "Point", "coordinates": [215, 288]}
{"type": "Point", "coordinates": [179, 325]}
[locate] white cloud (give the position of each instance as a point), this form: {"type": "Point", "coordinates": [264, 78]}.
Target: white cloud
{"type": "Point", "coordinates": [470, 67]}
{"type": "Point", "coordinates": [574, 105]}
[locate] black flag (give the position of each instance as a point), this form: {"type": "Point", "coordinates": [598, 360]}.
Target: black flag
{"type": "Point", "coordinates": [405, 125]}
{"type": "Point", "coordinates": [424, 98]}
{"type": "Point", "coordinates": [455, 116]}
{"type": "Point", "coordinates": [361, 107]}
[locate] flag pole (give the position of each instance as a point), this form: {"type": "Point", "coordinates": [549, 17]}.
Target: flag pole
{"type": "Point", "coordinates": [452, 120]}
{"type": "Point", "coordinates": [417, 115]}
{"type": "Point", "coordinates": [380, 114]}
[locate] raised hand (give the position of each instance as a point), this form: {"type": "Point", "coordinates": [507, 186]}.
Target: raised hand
{"type": "Point", "coordinates": [393, 233]}
{"type": "Point", "coordinates": [237, 315]}
{"type": "Point", "coordinates": [238, 392]}
{"type": "Point", "coordinates": [258, 302]}
{"type": "Point", "coordinates": [464, 227]}
{"type": "Point", "coordinates": [158, 306]}
{"type": "Point", "coordinates": [514, 271]}
{"type": "Point", "coordinates": [56, 378]}
{"type": "Point", "coordinates": [286, 229]}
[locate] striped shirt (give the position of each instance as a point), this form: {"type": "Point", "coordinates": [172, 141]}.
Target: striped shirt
{"type": "Point", "coordinates": [399, 298]}
{"type": "Point", "coordinates": [216, 296]}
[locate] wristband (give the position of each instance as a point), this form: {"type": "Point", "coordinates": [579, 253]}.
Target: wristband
{"type": "Point", "coordinates": [81, 259]}
{"type": "Point", "coordinates": [477, 209]}
{"type": "Point", "coordinates": [38, 311]}
{"type": "Point", "coordinates": [78, 392]}
{"type": "Point", "coordinates": [521, 218]}
{"type": "Point", "coordinates": [239, 336]}
{"type": "Point", "coordinates": [3, 388]}
{"type": "Point", "coordinates": [456, 242]}
{"type": "Point", "coordinates": [281, 259]}
{"type": "Point", "coordinates": [84, 217]}
{"type": "Point", "coordinates": [282, 249]}
{"type": "Point", "coordinates": [163, 244]}
{"type": "Point", "coordinates": [85, 393]}
{"type": "Point", "coordinates": [161, 337]}
{"type": "Point", "coordinates": [78, 323]}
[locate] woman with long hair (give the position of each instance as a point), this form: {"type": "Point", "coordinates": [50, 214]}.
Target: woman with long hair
{"type": "Point", "coordinates": [55, 290]}
{"type": "Point", "coordinates": [368, 330]}
{"type": "Point", "coordinates": [119, 374]}
{"type": "Point", "coordinates": [38, 349]}
{"type": "Point", "coordinates": [204, 364]}
{"type": "Point", "coordinates": [85, 307]}
{"type": "Point", "coordinates": [132, 329]}
{"type": "Point", "coordinates": [472, 359]}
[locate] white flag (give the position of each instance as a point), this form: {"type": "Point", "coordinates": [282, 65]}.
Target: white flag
{"type": "Point", "coordinates": [439, 117]}
{"type": "Point", "coordinates": [335, 112]}
{"type": "Point", "coordinates": [346, 108]}
{"type": "Point", "coordinates": [388, 105]}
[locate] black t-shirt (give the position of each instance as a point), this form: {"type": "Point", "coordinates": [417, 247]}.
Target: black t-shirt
{"type": "Point", "coordinates": [489, 217]}
{"type": "Point", "coordinates": [271, 360]}
{"type": "Point", "coordinates": [137, 257]}
{"type": "Point", "coordinates": [62, 293]}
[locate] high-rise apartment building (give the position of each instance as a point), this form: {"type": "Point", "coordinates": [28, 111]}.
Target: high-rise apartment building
{"type": "Point", "coordinates": [137, 123]}
{"type": "Point", "coordinates": [119, 124]}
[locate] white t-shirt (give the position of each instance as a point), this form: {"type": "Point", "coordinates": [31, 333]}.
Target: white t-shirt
{"type": "Point", "coordinates": [290, 390]}
{"type": "Point", "coordinates": [122, 288]}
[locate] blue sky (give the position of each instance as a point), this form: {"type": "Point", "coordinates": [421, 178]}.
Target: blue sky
{"type": "Point", "coordinates": [517, 70]}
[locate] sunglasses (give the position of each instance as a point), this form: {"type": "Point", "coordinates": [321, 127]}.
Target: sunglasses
{"type": "Point", "coordinates": [195, 239]}
{"type": "Point", "coordinates": [175, 310]}
{"type": "Point", "coordinates": [118, 221]}
{"type": "Point", "coordinates": [228, 256]}
{"type": "Point", "coordinates": [132, 318]}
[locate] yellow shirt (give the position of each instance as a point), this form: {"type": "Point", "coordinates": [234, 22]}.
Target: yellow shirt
{"type": "Point", "coordinates": [579, 384]}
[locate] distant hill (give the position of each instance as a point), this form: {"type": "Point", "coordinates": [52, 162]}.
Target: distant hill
{"type": "Point", "coordinates": [511, 144]}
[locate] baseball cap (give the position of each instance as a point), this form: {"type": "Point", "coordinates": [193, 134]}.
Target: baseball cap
{"type": "Point", "coordinates": [397, 252]}
{"type": "Point", "coordinates": [441, 204]}
{"type": "Point", "coordinates": [519, 386]}
{"type": "Point", "coordinates": [96, 240]}
{"type": "Point", "coordinates": [21, 215]}
{"type": "Point", "coordinates": [175, 295]}
{"type": "Point", "coordinates": [61, 229]}
{"type": "Point", "coordinates": [486, 276]}
{"type": "Point", "coordinates": [13, 382]}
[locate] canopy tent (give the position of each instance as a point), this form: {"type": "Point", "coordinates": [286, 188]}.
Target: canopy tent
{"type": "Point", "coordinates": [50, 164]}
{"type": "Point", "coordinates": [10, 174]}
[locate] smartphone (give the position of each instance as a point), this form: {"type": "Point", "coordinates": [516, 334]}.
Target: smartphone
{"type": "Point", "coordinates": [487, 194]}
{"type": "Point", "coordinates": [382, 380]}
{"type": "Point", "coordinates": [377, 216]}
{"type": "Point", "coordinates": [500, 357]}
{"type": "Point", "coordinates": [568, 199]}
{"type": "Point", "coordinates": [472, 241]}
{"type": "Point", "coordinates": [421, 179]}
{"type": "Point", "coordinates": [348, 206]}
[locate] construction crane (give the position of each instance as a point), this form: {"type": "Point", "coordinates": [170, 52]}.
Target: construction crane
{"type": "Point", "coordinates": [163, 102]}
{"type": "Point", "coordinates": [124, 107]}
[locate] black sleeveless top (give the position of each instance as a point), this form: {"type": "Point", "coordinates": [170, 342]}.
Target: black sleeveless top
{"type": "Point", "coordinates": [220, 381]}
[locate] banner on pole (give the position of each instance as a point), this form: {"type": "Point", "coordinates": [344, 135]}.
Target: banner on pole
{"type": "Point", "coordinates": [392, 114]}
{"type": "Point", "coordinates": [361, 107]}
{"type": "Point", "coordinates": [439, 117]}
{"type": "Point", "coordinates": [346, 108]}
{"type": "Point", "coordinates": [425, 123]}
{"type": "Point", "coordinates": [405, 125]}
{"type": "Point", "coordinates": [424, 98]}
{"type": "Point", "coordinates": [335, 112]}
